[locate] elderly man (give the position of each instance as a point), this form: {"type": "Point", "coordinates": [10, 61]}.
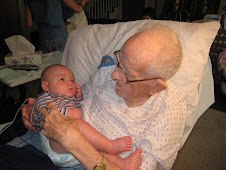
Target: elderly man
{"type": "Point", "coordinates": [136, 99]}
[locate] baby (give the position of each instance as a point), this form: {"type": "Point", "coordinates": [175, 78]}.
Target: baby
{"type": "Point", "coordinates": [59, 87]}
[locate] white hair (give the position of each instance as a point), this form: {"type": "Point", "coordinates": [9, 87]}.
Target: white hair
{"type": "Point", "coordinates": [168, 59]}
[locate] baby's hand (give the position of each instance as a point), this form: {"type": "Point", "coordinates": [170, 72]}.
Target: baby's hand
{"type": "Point", "coordinates": [78, 91]}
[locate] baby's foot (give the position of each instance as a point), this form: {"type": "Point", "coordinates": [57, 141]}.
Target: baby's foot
{"type": "Point", "coordinates": [134, 161]}
{"type": "Point", "coordinates": [121, 145]}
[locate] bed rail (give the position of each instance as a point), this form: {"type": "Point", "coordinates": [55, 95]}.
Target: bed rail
{"type": "Point", "coordinates": [103, 9]}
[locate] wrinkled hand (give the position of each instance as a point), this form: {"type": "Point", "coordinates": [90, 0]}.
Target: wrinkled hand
{"type": "Point", "coordinates": [59, 127]}
{"type": "Point", "coordinates": [26, 114]}
{"type": "Point", "coordinates": [64, 130]}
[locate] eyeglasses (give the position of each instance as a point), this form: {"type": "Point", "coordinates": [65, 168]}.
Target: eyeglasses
{"type": "Point", "coordinates": [122, 74]}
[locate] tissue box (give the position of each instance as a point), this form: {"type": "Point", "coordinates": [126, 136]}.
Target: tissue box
{"type": "Point", "coordinates": [35, 59]}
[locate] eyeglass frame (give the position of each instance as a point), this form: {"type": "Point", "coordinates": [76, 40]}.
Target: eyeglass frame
{"type": "Point", "coordinates": [116, 59]}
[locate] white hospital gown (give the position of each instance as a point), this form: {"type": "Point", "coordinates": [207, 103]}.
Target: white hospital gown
{"type": "Point", "coordinates": [157, 126]}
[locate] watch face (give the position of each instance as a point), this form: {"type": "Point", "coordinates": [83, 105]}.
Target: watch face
{"type": "Point", "coordinates": [100, 167]}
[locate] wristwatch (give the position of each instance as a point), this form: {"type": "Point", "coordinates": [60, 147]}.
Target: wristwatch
{"type": "Point", "coordinates": [102, 165]}
{"type": "Point", "coordinates": [80, 5]}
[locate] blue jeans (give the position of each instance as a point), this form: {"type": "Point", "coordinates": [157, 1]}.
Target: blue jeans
{"type": "Point", "coordinates": [33, 139]}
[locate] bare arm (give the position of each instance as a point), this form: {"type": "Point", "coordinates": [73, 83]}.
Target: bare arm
{"type": "Point", "coordinates": [29, 21]}
{"type": "Point", "coordinates": [75, 113]}
{"type": "Point", "coordinates": [68, 132]}
{"type": "Point", "coordinates": [70, 138]}
{"type": "Point", "coordinates": [74, 6]}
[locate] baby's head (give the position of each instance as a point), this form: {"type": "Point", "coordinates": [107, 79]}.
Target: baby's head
{"type": "Point", "coordinates": [58, 79]}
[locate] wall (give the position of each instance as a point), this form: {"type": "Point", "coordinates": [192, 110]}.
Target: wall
{"type": "Point", "coordinates": [9, 18]}
{"type": "Point", "coordinates": [12, 18]}
{"type": "Point", "coordinates": [132, 10]}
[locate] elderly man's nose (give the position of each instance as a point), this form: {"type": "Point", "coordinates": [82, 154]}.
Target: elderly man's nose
{"type": "Point", "coordinates": [115, 74]}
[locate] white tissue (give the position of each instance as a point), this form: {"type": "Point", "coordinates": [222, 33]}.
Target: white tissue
{"type": "Point", "coordinates": [19, 45]}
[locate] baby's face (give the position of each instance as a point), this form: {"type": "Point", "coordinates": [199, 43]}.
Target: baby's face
{"type": "Point", "coordinates": [61, 81]}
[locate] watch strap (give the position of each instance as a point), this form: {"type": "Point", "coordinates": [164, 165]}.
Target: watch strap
{"type": "Point", "coordinates": [102, 165]}
{"type": "Point", "coordinates": [80, 5]}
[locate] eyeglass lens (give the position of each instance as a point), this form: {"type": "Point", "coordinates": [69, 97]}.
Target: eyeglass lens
{"type": "Point", "coordinates": [121, 72]}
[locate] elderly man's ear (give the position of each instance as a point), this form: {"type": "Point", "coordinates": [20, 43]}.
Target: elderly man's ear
{"type": "Point", "coordinates": [44, 85]}
{"type": "Point", "coordinates": [157, 86]}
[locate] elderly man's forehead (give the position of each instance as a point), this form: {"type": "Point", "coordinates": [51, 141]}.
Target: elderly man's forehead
{"type": "Point", "coordinates": [137, 42]}
{"type": "Point", "coordinates": [153, 35]}
{"type": "Point", "coordinates": [145, 45]}
{"type": "Point", "coordinates": [140, 37]}
{"type": "Point", "coordinates": [138, 51]}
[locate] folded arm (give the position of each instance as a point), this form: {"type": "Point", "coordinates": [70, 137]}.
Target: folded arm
{"type": "Point", "coordinates": [70, 138]}
{"type": "Point", "coordinates": [74, 6]}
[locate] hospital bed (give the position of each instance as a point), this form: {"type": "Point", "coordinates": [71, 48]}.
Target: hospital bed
{"type": "Point", "coordinates": [86, 47]}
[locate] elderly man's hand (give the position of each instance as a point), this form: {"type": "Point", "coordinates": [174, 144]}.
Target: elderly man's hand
{"type": "Point", "coordinates": [59, 127]}
{"type": "Point", "coordinates": [26, 114]}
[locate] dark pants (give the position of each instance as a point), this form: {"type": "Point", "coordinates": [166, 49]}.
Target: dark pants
{"type": "Point", "coordinates": [27, 157]}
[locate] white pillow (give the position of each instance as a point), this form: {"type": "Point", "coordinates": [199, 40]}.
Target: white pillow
{"type": "Point", "coordinates": [86, 47]}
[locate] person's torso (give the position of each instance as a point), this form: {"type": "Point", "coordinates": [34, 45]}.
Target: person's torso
{"type": "Point", "coordinates": [108, 113]}
{"type": "Point", "coordinates": [47, 14]}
